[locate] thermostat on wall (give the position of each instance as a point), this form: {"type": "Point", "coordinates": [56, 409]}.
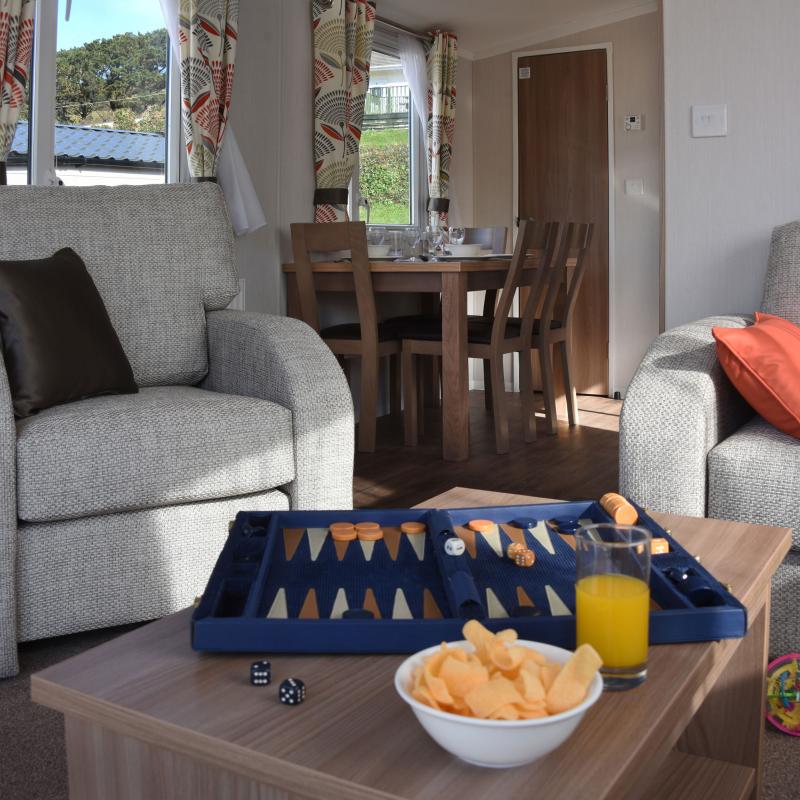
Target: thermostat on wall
{"type": "Point", "coordinates": [633, 122]}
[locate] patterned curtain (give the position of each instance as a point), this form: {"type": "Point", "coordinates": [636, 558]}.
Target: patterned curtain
{"type": "Point", "coordinates": [16, 45]}
{"type": "Point", "coordinates": [442, 64]}
{"type": "Point", "coordinates": [207, 32]}
{"type": "Point", "coordinates": [342, 50]}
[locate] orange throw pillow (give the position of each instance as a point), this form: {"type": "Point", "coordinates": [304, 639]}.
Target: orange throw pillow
{"type": "Point", "coordinates": [763, 363]}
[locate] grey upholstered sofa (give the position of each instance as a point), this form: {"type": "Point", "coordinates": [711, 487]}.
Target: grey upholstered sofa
{"type": "Point", "coordinates": [114, 509]}
{"type": "Point", "coordinates": [690, 445]}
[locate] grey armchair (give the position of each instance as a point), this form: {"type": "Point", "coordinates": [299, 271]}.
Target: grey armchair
{"type": "Point", "coordinates": [689, 444]}
{"type": "Point", "coordinates": [114, 509]}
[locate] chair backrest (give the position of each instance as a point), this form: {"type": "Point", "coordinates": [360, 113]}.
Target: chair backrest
{"type": "Point", "coordinates": [562, 291]}
{"type": "Point", "coordinates": [782, 284]}
{"type": "Point", "coordinates": [327, 237]}
{"type": "Point", "coordinates": [534, 240]}
{"type": "Point", "coordinates": [160, 255]}
{"type": "Point", "coordinates": [494, 238]}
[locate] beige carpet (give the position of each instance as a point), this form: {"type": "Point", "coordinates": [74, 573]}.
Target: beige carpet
{"type": "Point", "coordinates": [32, 763]}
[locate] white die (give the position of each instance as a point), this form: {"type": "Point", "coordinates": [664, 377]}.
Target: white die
{"type": "Point", "coordinates": [453, 546]}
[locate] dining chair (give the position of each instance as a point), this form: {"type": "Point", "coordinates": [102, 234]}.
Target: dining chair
{"type": "Point", "coordinates": [553, 326]}
{"type": "Point", "coordinates": [494, 239]}
{"type": "Point", "coordinates": [368, 339]}
{"type": "Point", "coordinates": [487, 338]}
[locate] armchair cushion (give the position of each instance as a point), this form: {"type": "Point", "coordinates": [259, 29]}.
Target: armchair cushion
{"type": "Point", "coordinates": [763, 363]}
{"type": "Point", "coordinates": [161, 447]}
{"type": "Point", "coordinates": [160, 256]}
{"type": "Point", "coordinates": [283, 360]}
{"type": "Point", "coordinates": [782, 284]}
{"type": "Point", "coordinates": [58, 341]}
{"type": "Point", "coordinates": [679, 406]}
{"type": "Point", "coordinates": [754, 476]}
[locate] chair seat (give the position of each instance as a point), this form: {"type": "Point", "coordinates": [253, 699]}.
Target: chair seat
{"type": "Point", "coordinates": [163, 446]}
{"type": "Point", "coordinates": [479, 329]}
{"type": "Point", "coordinates": [352, 331]}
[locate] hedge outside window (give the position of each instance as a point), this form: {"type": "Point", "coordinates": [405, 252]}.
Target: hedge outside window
{"type": "Point", "coordinates": [385, 174]}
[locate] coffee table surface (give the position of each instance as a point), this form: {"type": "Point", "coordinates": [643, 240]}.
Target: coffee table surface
{"type": "Point", "coordinates": [355, 738]}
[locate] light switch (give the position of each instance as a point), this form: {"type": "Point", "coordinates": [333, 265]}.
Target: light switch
{"type": "Point", "coordinates": [634, 186]}
{"type": "Point", "coordinates": [709, 121]}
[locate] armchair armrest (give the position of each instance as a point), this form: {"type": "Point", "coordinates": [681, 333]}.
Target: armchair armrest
{"type": "Point", "coordinates": [283, 360]}
{"type": "Point", "coordinates": [8, 530]}
{"type": "Point", "coordinates": [679, 406]}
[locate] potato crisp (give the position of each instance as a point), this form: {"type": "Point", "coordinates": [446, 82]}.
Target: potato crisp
{"type": "Point", "coordinates": [501, 679]}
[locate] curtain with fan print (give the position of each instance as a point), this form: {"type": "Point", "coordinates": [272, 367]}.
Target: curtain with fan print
{"type": "Point", "coordinates": [207, 32]}
{"type": "Point", "coordinates": [343, 32]}
{"type": "Point", "coordinates": [442, 62]}
{"type": "Point", "coordinates": [16, 46]}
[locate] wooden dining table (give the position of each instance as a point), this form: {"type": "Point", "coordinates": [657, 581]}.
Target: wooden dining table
{"type": "Point", "coordinates": [451, 279]}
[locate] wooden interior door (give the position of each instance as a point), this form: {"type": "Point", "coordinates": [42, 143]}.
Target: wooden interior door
{"type": "Point", "coordinates": [563, 176]}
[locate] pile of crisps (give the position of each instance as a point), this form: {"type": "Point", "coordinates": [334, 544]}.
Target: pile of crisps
{"type": "Point", "coordinates": [502, 680]}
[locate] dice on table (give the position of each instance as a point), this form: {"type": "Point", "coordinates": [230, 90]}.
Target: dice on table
{"type": "Point", "coordinates": [260, 673]}
{"type": "Point", "coordinates": [292, 692]}
{"type": "Point", "coordinates": [453, 546]}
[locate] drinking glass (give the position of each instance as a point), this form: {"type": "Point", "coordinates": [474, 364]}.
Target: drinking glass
{"type": "Point", "coordinates": [396, 240]}
{"type": "Point", "coordinates": [412, 241]}
{"type": "Point", "coordinates": [457, 235]}
{"type": "Point", "coordinates": [612, 599]}
{"type": "Point", "coordinates": [434, 236]}
{"type": "Point", "coordinates": [375, 235]}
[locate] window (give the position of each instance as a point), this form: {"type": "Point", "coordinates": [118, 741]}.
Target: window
{"type": "Point", "coordinates": [17, 162]}
{"type": "Point", "coordinates": [389, 167]}
{"type": "Point", "coordinates": [100, 97]}
{"type": "Point", "coordinates": [111, 92]}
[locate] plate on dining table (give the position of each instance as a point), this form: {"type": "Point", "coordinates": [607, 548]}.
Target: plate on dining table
{"type": "Point", "coordinates": [481, 257]}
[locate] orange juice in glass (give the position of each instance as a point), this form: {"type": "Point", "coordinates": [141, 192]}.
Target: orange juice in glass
{"type": "Point", "coordinates": [612, 599]}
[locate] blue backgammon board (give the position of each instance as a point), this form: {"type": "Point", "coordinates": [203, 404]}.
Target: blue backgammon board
{"type": "Point", "coordinates": [283, 584]}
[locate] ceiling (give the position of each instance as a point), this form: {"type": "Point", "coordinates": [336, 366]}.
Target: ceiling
{"type": "Point", "coordinates": [487, 28]}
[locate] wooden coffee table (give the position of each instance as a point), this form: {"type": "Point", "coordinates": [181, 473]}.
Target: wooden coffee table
{"type": "Point", "coordinates": [148, 718]}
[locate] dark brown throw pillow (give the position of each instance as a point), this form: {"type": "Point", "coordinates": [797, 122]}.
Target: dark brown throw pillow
{"type": "Point", "coordinates": [58, 342]}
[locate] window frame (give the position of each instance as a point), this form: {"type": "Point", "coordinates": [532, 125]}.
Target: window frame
{"type": "Point", "coordinates": [418, 178]}
{"type": "Point", "coordinates": [42, 109]}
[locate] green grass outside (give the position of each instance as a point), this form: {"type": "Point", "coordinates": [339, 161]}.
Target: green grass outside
{"type": "Point", "coordinates": [389, 214]}
{"type": "Point", "coordinates": [384, 136]}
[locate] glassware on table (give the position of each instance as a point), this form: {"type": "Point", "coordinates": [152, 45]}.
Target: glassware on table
{"type": "Point", "coordinates": [612, 599]}
{"type": "Point", "coordinates": [434, 236]}
{"type": "Point", "coordinates": [396, 244]}
{"type": "Point", "coordinates": [457, 235]}
{"type": "Point", "coordinates": [412, 239]}
{"type": "Point", "coordinates": [375, 235]}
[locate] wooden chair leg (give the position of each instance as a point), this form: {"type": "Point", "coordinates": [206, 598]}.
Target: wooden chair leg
{"type": "Point", "coordinates": [369, 404]}
{"type": "Point", "coordinates": [344, 363]}
{"type": "Point", "coordinates": [422, 385]}
{"type": "Point", "coordinates": [569, 385]}
{"type": "Point", "coordinates": [499, 404]}
{"type": "Point", "coordinates": [435, 400]}
{"type": "Point", "coordinates": [395, 399]}
{"type": "Point", "coordinates": [548, 385]}
{"type": "Point", "coordinates": [526, 395]}
{"type": "Point", "coordinates": [487, 385]}
{"type": "Point", "coordinates": [410, 398]}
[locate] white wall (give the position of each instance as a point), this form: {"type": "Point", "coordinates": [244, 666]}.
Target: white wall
{"type": "Point", "coordinates": [723, 196]}
{"type": "Point", "coordinates": [256, 117]}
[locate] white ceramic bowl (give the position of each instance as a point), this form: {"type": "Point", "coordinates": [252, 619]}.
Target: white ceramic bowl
{"type": "Point", "coordinates": [378, 250]}
{"type": "Point", "coordinates": [496, 743]}
{"type": "Point", "coordinates": [464, 249]}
